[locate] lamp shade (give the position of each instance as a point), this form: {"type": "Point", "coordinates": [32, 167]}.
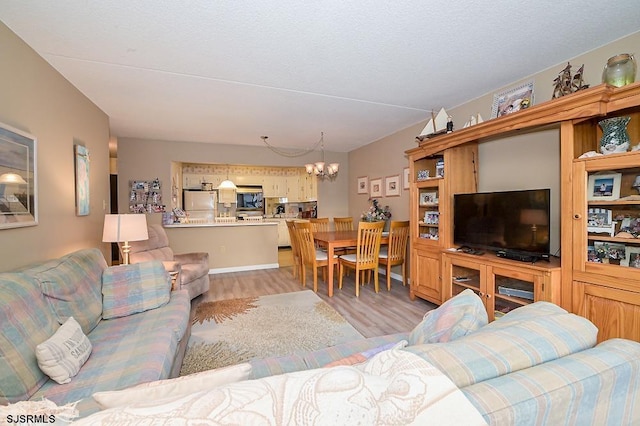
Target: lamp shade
{"type": "Point", "coordinates": [12, 178]}
{"type": "Point", "coordinates": [227, 184]}
{"type": "Point", "coordinates": [533, 217]}
{"type": "Point", "coordinates": [124, 227]}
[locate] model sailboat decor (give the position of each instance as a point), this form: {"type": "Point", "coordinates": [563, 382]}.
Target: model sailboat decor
{"type": "Point", "coordinates": [436, 125]}
{"type": "Point", "coordinates": [475, 119]}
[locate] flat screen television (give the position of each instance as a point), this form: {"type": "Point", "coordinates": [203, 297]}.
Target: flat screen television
{"type": "Point", "coordinates": [505, 221]}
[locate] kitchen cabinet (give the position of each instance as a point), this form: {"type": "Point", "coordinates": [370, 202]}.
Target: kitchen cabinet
{"type": "Point", "coordinates": [283, 232]}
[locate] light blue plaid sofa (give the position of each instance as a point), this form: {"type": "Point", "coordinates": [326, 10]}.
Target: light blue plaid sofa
{"type": "Point", "coordinates": [537, 365]}
{"type": "Point", "coordinates": [127, 350]}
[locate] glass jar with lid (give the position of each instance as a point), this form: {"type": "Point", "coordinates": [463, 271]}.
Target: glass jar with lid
{"type": "Point", "coordinates": [620, 70]}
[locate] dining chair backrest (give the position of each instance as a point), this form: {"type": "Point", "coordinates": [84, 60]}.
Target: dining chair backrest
{"type": "Point", "coordinates": [368, 246]}
{"type": "Point", "coordinates": [304, 235]}
{"type": "Point", "coordinates": [295, 247]}
{"type": "Point", "coordinates": [398, 237]}
{"type": "Point", "coordinates": [319, 224]}
{"type": "Point", "coordinates": [343, 223]}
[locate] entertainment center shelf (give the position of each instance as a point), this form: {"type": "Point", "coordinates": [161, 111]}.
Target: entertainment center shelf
{"type": "Point", "coordinates": [606, 290]}
{"type": "Point", "coordinates": [502, 284]}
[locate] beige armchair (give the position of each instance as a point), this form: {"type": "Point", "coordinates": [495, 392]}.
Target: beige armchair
{"type": "Point", "coordinates": [192, 268]}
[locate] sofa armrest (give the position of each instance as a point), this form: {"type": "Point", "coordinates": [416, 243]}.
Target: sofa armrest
{"type": "Point", "coordinates": [196, 257]}
{"type": "Point", "coordinates": [171, 266]}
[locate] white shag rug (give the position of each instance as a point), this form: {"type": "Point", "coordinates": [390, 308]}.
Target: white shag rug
{"type": "Point", "coordinates": [227, 332]}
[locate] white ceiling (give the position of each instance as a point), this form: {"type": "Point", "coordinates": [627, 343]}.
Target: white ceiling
{"type": "Point", "coordinates": [229, 71]}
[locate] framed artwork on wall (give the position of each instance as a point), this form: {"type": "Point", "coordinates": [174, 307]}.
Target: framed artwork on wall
{"type": "Point", "coordinates": [392, 186]}
{"type": "Point", "coordinates": [363, 185]}
{"type": "Point", "coordinates": [18, 195]}
{"type": "Point", "coordinates": [82, 180]}
{"type": "Point", "coordinates": [376, 187]}
{"type": "Point", "coordinates": [405, 178]}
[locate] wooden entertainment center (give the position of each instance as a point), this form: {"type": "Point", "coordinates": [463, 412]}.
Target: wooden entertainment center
{"type": "Point", "coordinates": [597, 276]}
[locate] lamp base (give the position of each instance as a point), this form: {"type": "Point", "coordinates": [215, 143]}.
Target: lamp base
{"type": "Point", "coordinates": [126, 249]}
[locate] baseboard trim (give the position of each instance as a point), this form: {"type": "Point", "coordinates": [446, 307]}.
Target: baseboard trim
{"type": "Point", "coordinates": [215, 271]}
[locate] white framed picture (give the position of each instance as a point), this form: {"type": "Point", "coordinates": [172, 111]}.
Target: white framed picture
{"type": "Point", "coordinates": [363, 185]}
{"type": "Point", "coordinates": [405, 178]}
{"type": "Point", "coordinates": [604, 186]}
{"type": "Point", "coordinates": [428, 198]}
{"type": "Point", "coordinates": [375, 186]}
{"type": "Point", "coordinates": [632, 257]}
{"type": "Point", "coordinates": [512, 100]}
{"type": "Point", "coordinates": [392, 186]}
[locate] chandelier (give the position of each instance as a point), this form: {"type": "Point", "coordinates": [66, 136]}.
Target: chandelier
{"type": "Point", "coordinates": [320, 168]}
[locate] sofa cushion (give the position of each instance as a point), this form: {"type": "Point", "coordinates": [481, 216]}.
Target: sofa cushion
{"type": "Point", "coordinates": [185, 385]}
{"type": "Point", "coordinates": [494, 351]}
{"type": "Point", "coordinates": [129, 289]}
{"type": "Point", "coordinates": [62, 355]}
{"type": "Point", "coordinates": [462, 314]}
{"type": "Point", "coordinates": [72, 285]}
{"type": "Point", "coordinates": [127, 351]}
{"type": "Point", "coordinates": [25, 321]}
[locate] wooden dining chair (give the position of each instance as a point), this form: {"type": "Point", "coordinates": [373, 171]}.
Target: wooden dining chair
{"type": "Point", "coordinates": [366, 256]}
{"type": "Point", "coordinates": [295, 248]}
{"type": "Point", "coordinates": [343, 223]}
{"type": "Point", "coordinates": [320, 224]}
{"type": "Point", "coordinates": [396, 250]}
{"type": "Point", "coordinates": [311, 256]}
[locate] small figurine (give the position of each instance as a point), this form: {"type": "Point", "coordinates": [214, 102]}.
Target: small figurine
{"type": "Point", "coordinates": [565, 84]}
{"type": "Point", "coordinates": [449, 124]}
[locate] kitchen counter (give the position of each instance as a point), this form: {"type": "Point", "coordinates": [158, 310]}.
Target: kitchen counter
{"type": "Point", "coordinates": [232, 247]}
{"type": "Point", "coordinates": [219, 224]}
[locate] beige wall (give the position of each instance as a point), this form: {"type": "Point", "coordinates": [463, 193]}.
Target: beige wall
{"type": "Point", "coordinates": [144, 159]}
{"type": "Point", "coordinates": [38, 100]}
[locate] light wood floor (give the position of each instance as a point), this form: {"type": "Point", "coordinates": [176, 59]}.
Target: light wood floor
{"type": "Point", "coordinates": [371, 314]}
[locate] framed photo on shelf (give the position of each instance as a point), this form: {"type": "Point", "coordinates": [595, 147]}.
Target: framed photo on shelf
{"type": "Point", "coordinates": [392, 186]}
{"type": "Point", "coordinates": [363, 185]}
{"type": "Point", "coordinates": [405, 178]}
{"type": "Point", "coordinates": [632, 258]}
{"type": "Point", "coordinates": [375, 187]}
{"type": "Point", "coordinates": [428, 198]}
{"type": "Point", "coordinates": [512, 100]}
{"type": "Point", "coordinates": [610, 252]}
{"type": "Point", "coordinates": [604, 187]}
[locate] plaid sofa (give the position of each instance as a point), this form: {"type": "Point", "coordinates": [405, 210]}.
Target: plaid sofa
{"type": "Point", "coordinates": [126, 350]}
{"type": "Point", "coordinates": [537, 365]}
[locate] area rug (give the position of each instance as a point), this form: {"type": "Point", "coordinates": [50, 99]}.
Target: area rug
{"type": "Point", "coordinates": [227, 332]}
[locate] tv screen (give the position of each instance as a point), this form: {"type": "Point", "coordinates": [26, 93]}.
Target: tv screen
{"type": "Point", "coordinates": [508, 220]}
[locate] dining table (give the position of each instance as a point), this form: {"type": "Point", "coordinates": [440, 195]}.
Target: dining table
{"type": "Point", "coordinates": [331, 240]}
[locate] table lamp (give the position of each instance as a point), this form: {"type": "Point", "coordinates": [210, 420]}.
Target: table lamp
{"type": "Point", "coordinates": [122, 228]}
{"type": "Point", "coordinates": [533, 217]}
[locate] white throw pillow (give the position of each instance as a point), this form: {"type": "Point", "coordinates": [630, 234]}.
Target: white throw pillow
{"type": "Point", "coordinates": [61, 356]}
{"type": "Point", "coordinates": [179, 386]}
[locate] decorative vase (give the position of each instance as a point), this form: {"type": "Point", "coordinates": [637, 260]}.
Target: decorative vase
{"type": "Point", "coordinates": [620, 70]}
{"type": "Point", "coordinates": [614, 135]}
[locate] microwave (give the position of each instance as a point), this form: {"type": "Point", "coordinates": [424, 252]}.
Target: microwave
{"type": "Point", "coordinates": [249, 198]}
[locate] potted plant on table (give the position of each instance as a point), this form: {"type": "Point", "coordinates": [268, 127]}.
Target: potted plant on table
{"type": "Point", "coordinates": [377, 213]}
